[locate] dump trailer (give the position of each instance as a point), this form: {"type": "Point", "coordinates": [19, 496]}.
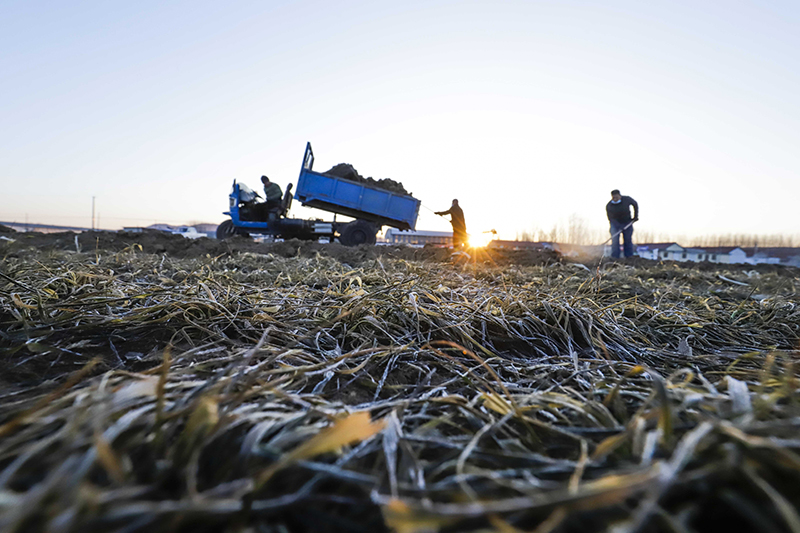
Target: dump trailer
{"type": "Point", "coordinates": [370, 206]}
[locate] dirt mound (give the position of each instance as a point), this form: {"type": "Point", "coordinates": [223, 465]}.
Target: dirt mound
{"type": "Point", "coordinates": [159, 242]}
{"type": "Point", "coordinates": [348, 172]}
{"type": "Point", "coordinates": [105, 241]}
{"type": "Point", "coordinates": [6, 229]}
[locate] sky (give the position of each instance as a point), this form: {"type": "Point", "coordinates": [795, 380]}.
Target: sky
{"type": "Point", "coordinates": [529, 112]}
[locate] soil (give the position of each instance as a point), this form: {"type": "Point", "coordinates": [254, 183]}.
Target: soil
{"type": "Point", "coordinates": [158, 242]}
{"type": "Point", "coordinates": [348, 172]}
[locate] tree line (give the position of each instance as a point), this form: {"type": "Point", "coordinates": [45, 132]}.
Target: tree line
{"type": "Point", "coordinates": [577, 231]}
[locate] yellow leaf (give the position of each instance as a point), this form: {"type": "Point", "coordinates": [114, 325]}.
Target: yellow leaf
{"type": "Point", "coordinates": [19, 303]}
{"type": "Point", "coordinates": [609, 445]}
{"type": "Point", "coordinates": [351, 429]}
{"type": "Point", "coordinates": [203, 418]}
{"type": "Point", "coordinates": [353, 294]}
{"type": "Point", "coordinates": [109, 460]}
{"type": "Point", "coordinates": [635, 371]}
{"type": "Point", "coordinates": [36, 347]}
{"type": "Point", "coordinates": [137, 389]}
{"type": "Point", "coordinates": [208, 292]}
{"type": "Point", "coordinates": [201, 422]}
{"type": "Point", "coordinates": [402, 519]}
{"type": "Point", "coordinates": [501, 526]}
{"type": "Point", "coordinates": [496, 403]}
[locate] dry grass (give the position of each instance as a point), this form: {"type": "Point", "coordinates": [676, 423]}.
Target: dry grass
{"type": "Point", "coordinates": [260, 393]}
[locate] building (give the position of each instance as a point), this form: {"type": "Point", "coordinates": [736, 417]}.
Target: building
{"type": "Point", "coordinates": [418, 238]}
{"type": "Point", "coordinates": [204, 230]}
{"type": "Point", "coordinates": [725, 254]}
{"type": "Point", "coordinates": [672, 251]}
{"type": "Point", "coordinates": [521, 245]}
{"type": "Point", "coordinates": [654, 251]}
{"type": "Point", "coordinates": [781, 255]}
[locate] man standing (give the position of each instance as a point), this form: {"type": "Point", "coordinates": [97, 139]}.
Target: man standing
{"type": "Point", "coordinates": [619, 216]}
{"type": "Point", "coordinates": [458, 223]}
{"type": "Point", "coordinates": [272, 191]}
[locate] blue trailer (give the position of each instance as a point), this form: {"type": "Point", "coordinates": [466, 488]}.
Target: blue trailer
{"type": "Point", "coordinates": [370, 206]}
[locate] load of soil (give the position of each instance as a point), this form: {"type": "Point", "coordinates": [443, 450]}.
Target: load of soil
{"type": "Point", "coordinates": [349, 173]}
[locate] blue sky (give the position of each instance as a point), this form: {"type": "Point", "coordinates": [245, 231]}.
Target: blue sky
{"type": "Point", "coordinates": [528, 112]}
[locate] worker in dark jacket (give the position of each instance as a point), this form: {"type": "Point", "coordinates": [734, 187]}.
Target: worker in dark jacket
{"type": "Point", "coordinates": [458, 223]}
{"type": "Point", "coordinates": [272, 191]}
{"type": "Point", "coordinates": [619, 216]}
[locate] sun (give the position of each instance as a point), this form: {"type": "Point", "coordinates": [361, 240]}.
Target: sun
{"type": "Point", "coordinates": [480, 240]}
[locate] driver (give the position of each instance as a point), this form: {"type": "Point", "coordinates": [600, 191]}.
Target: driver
{"type": "Point", "coordinates": [272, 192]}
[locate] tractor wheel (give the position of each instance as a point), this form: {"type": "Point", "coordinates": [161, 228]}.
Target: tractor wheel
{"type": "Point", "coordinates": [358, 232]}
{"type": "Point", "coordinates": [226, 230]}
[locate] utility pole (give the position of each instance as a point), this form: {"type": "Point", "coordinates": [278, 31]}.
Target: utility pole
{"type": "Point", "coordinates": [92, 213]}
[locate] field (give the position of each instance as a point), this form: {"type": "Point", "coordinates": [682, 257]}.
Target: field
{"type": "Point", "coordinates": [155, 384]}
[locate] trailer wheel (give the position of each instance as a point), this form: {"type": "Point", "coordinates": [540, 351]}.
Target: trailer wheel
{"type": "Point", "coordinates": [358, 232]}
{"type": "Point", "coordinates": [226, 230]}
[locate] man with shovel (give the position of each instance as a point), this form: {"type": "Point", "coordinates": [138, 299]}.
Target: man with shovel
{"type": "Point", "coordinates": [619, 216]}
{"type": "Point", "coordinates": [459, 226]}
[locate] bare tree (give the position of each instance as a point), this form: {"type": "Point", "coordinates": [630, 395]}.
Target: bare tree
{"type": "Point", "coordinates": [577, 232]}
{"type": "Point", "coordinates": [527, 235]}
{"type": "Point", "coordinates": [746, 240]}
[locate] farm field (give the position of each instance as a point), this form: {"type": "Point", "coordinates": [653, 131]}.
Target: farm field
{"type": "Point", "coordinates": [159, 384]}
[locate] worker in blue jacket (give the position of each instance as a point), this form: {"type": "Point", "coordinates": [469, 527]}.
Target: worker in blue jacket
{"type": "Point", "coordinates": [621, 221]}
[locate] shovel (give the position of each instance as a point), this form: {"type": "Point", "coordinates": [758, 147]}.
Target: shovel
{"type": "Point", "coordinates": [619, 232]}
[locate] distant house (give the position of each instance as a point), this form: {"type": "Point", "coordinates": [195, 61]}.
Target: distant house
{"type": "Point", "coordinates": [675, 252]}
{"type": "Point", "coordinates": [521, 245]}
{"type": "Point", "coordinates": [205, 230]}
{"type": "Point", "coordinates": [774, 255]}
{"type": "Point", "coordinates": [672, 251]}
{"type": "Point", "coordinates": [654, 251]}
{"type": "Point", "coordinates": [726, 254]}
{"type": "Point", "coordinates": [418, 238]}
{"type": "Point", "coordinates": [695, 255]}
